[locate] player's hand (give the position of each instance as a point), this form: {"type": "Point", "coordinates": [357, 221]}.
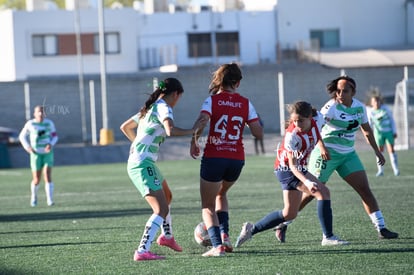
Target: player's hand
{"type": "Point", "coordinates": [199, 124]}
{"type": "Point", "coordinates": [380, 159]}
{"type": "Point", "coordinates": [48, 147]}
{"type": "Point", "coordinates": [194, 149]}
{"type": "Point", "coordinates": [312, 186]}
{"type": "Point", "coordinates": [325, 155]}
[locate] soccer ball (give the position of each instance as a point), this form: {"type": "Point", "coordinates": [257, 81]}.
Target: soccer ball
{"type": "Point", "coordinates": [201, 235]}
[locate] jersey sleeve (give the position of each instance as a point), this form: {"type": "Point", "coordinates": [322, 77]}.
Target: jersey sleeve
{"type": "Point", "coordinates": [292, 142]}
{"type": "Point", "coordinates": [327, 111]}
{"type": "Point", "coordinates": [207, 105]}
{"type": "Point", "coordinates": [252, 113]}
{"type": "Point", "coordinates": [135, 118]}
{"type": "Point", "coordinates": [319, 120]}
{"type": "Point", "coordinates": [164, 112]}
{"type": "Point", "coordinates": [23, 136]}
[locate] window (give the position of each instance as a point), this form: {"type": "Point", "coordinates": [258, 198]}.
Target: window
{"type": "Point", "coordinates": [44, 45]}
{"type": "Point", "coordinates": [227, 43]}
{"type": "Point", "coordinates": [326, 38]}
{"type": "Point", "coordinates": [65, 44]}
{"type": "Point", "coordinates": [112, 43]}
{"type": "Point", "coordinates": [199, 45]}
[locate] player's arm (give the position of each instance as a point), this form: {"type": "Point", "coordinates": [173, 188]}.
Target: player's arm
{"type": "Point", "coordinates": [53, 135]}
{"type": "Point", "coordinates": [310, 185]}
{"type": "Point", "coordinates": [324, 152]}
{"type": "Point", "coordinates": [256, 129]}
{"type": "Point", "coordinates": [194, 146]}
{"type": "Point", "coordinates": [369, 136]}
{"type": "Point", "coordinates": [254, 123]}
{"type": "Point", "coordinates": [129, 128]}
{"type": "Point", "coordinates": [23, 139]}
{"type": "Point", "coordinates": [172, 130]}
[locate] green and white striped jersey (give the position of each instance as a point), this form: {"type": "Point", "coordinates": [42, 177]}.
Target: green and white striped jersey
{"type": "Point", "coordinates": [150, 132]}
{"type": "Point", "coordinates": [341, 124]}
{"type": "Point", "coordinates": [381, 119]}
{"type": "Point", "coordinates": [40, 134]}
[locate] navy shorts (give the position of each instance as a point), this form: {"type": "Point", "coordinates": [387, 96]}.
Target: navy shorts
{"type": "Point", "coordinates": [287, 179]}
{"type": "Point", "coordinates": [218, 169]}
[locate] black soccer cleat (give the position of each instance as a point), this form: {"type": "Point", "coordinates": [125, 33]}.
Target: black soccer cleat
{"type": "Point", "coordinates": [386, 234]}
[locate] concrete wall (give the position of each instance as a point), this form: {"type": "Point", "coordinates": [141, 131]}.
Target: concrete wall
{"type": "Point", "coordinates": [127, 93]}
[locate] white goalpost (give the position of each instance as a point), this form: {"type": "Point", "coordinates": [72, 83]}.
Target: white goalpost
{"type": "Point", "coordinates": [402, 111]}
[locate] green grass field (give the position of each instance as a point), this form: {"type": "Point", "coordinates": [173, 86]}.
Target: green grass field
{"type": "Point", "coordinates": [99, 217]}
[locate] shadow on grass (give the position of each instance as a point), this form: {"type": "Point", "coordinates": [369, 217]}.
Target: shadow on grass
{"type": "Point", "coordinates": [335, 250]}
{"type": "Point", "coordinates": [48, 245]}
{"type": "Point", "coordinates": [62, 215]}
{"type": "Point", "coordinates": [10, 271]}
{"type": "Point", "coordinates": [66, 230]}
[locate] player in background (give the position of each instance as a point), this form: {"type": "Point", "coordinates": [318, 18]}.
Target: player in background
{"type": "Point", "coordinates": [154, 122]}
{"type": "Point", "coordinates": [258, 142]}
{"type": "Point", "coordinates": [301, 136]}
{"type": "Point", "coordinates": [382, 122]}
{"type": "Point", "coordinates": [38, 137]}
{"type": "Point", "coordinates": [223, 156]}
{"type": "Point", "coordinates": [344, 115]}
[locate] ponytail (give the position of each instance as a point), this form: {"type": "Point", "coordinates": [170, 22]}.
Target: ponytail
{"type": "Point", "coordinates": [165, 87]}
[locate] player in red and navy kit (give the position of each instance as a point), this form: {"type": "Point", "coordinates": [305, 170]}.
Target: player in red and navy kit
{"type": "Point", "coordinates": [223, 157]}
{"type": "Point", "coordinates": [301, 137]}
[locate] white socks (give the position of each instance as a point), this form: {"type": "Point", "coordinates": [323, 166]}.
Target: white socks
{"type": "Point", "coordinates": [33, 189]}
{"type": "Point", "coordinates": [378, 220]}
{"type": "Point", "coordinates": [151, 228]}
{"type": "Point", "coordinates": [49, 187]}
{"type": "Point", "coordinates": [394, 163]}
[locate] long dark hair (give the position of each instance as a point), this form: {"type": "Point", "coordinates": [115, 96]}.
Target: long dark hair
{"type": "Point", "coordinates": [169, 85]}
{"type": "Point", "coordinates": [332, 88]}
{"type": "Point", "coordinates": [227, 75]}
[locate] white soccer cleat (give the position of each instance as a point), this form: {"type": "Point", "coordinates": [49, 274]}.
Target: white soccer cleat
{"type": "Point", "coordinates": [334, 240]}
{"type": "Point", "coordinates": [245, 234]}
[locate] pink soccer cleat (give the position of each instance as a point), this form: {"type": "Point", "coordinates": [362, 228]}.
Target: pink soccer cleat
{"type": "Point", "coordinates": [146, 256]}
{"type": "Point", "coordinates": [171, 243]}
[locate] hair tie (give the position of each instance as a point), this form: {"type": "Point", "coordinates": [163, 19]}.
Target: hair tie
{"type": "Point", "coordinates": [162, 86]}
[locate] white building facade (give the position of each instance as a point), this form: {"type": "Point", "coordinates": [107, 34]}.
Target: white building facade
{"type": "Point", "coordinates": [43, 43]}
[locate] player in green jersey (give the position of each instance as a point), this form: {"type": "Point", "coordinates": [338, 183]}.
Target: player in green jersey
{"type": "Point", "coordinates": [382, 122]}
{"type": "Point", "coordinates": [38, 137]}
{"type": "Point", "coordinates": [154, 122]}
